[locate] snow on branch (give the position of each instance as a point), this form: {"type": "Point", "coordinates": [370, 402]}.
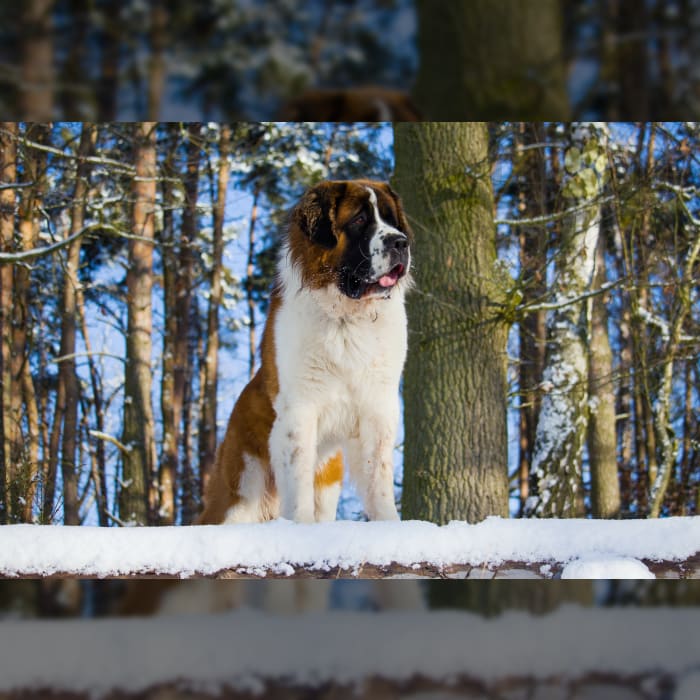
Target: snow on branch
{"type": "Point", "coordinates": [96, 353]}
{"type": "Point", "coordinates": [568, 301]}
{"type": "Point", "coordinates": [555, 216]}
{"type": "Point", "coordinates": [34, 253]}
{"type": "Point", "coordinates": [536, 548]}
{"type": "Point", "coordinates": [16, 185]}
{"type": "Point", "coordinates": [95, 160]}
{"type": "Point", "coordinates": [97, 434]}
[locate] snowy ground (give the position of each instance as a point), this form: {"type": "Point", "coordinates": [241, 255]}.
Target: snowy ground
{"type": "Point", "coordinates": [570, 548]}
{"type": "Point", "coordinates": [208, 652]}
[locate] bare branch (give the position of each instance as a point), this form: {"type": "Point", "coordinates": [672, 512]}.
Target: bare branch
{"type": "Point", "coordinates": [548, 218]}
{"type": "Point", "coordinates": [115, 519]}
{"type": "Point", "coordinates": [110, 438]}
{"type": "Point", "coordinates": [74, 355]}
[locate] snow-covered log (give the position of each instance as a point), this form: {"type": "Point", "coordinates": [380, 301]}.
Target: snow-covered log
{"type": "Point", "coordinates": [496, 547]}
{"type": "Point", "coordinates": [573, 652]}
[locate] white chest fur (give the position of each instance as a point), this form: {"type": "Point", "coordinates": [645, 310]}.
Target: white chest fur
{"type": "Point", "coordinates": [330, 349]}
{"type": "Point", "coordinates": [339, 362]}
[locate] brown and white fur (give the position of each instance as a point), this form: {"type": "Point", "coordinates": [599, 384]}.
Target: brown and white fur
{"type": "Point", "coordinates": [366, 103]}
{"type": "Point", "coordinates": [331, 358]}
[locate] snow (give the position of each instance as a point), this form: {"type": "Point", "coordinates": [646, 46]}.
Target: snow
{"type": "Point", "coordinates": [244, 648]}
{"type": "Point", "coordinates": [278, 545]}
{"type": "Point", "coordinates": [606, 567]}
{"type": "Point", "coordinates": [689, 687]}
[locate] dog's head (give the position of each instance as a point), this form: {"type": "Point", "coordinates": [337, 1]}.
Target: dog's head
{"type": "Point", "coordinates": [352, 234]}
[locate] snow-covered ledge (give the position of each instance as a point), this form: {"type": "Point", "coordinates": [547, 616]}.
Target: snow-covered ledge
{"type": "Point", "coordinates": [574, 652]}
{"type": "Point", "coordinates": [500, 548]}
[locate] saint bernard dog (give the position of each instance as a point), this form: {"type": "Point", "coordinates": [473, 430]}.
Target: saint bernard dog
{"type": "Point", "coordinates": [331, 358]}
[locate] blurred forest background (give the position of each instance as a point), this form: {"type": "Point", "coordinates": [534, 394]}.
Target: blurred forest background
{"type": "Point", "coordinates": [103, 60]}
{"type": "Point", "coordinates": [135, 261]}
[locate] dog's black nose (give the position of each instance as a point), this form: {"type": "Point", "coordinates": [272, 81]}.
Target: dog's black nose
{"type": "Point", "coordinates": [396, 241]}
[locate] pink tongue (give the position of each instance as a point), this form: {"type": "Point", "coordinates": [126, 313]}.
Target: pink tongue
{"type": "Point", "coordinates": [387, 280]}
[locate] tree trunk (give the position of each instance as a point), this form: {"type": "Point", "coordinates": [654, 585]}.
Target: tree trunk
{"type": "Point", "coordinates": [690, 73]}
{"type": "Point", "coordinates": [24, 458]}
{"type": "Point", "coordinates": [689, 431]}
{"type": "Point", "coordinates": [191, 488]}
{"type": "Point", "coordinates": [181, 304]}
{"type": "Point", "coordinates": [8, 174]}
{"type": "Point", "coordinates": [138, 437]}
{"type": "Point", "coordinates": [36, 85]}
{"type": "Point", "coordinates": [635, 249]}
{"type": "Point", "coordinates": [602, 442]}
{"type": "Point", "coordinates": [67, 370]}
{"type": "Point", "coordinates": [455, 454]}
{"type": "Point", "coordinates": [533, 248]}
{"type": "Point", "coordinates": [207, 426]}
{"type": "Point", "coordinates": [491, 60]}
{"type": "Point", "coordinates": [30, 469]}
{"type": "Point", "coordinates": [632, 59]}
{"type": "Point", "coordinates": [250, 271]}
{"type": "Point", "coordinates": [107, 86]}
{"type": "Point", "coordinates": [561, 429]}
{"type": "Point", "coordinates": [625, 392]}
{"type": "Point", "coordinates": [171, 424]}
{"type": "Point", "coordinates": [157, 63]}
{"type": "Point", "coordinates": [71, 78]}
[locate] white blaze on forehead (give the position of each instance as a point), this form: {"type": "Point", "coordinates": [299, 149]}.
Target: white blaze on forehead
{"type": "Point", "coordinates": [377, 252]}
{"type": "Point", "coordinates": [375, 208]}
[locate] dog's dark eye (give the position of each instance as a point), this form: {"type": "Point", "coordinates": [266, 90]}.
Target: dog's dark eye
{"type": "Point", "coordinates": [359, 220]}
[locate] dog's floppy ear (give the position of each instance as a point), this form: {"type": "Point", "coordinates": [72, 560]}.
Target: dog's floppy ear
{"type": "Point", "coordinates": [401, 214]}
{"type": "Point", "coordinates": [315, 213]}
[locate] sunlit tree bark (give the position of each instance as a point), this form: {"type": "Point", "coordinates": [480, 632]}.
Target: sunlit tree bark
{"type": "Point", "coordinates": [178, 283]}
{"type": "Point", "coordinates": [8, 430]}
{"type": "Point", "coordinates": [37, 73]}
{"type": "Point", "coordinates": [139, 458]}
{"type": "Point", "coordinates": [157, 74]}
{"type": "Point", "coordinates": [68, 391]}
{"type": "Point", "coordinates": [24, 459]}
{"type": "Point", "coordinates": [602, 438]}
{"type": "Point", "coordinates": [455, 451]}
{"type": "Point", "coordinates": [169, 449]}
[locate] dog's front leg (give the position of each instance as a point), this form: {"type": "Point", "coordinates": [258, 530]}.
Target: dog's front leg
{"type": "Point", "coordinates": [372, 466]}
{"type": "Point", "coordinates": [293, 454]}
